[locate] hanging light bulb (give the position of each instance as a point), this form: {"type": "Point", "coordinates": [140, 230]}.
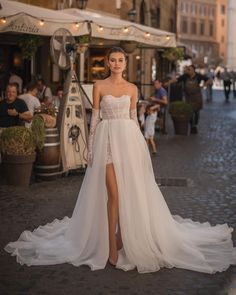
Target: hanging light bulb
{"type": "Point", "coordinates": [100, 28]}
{"type": "Point", "coordinates": [4, 20]}
{"type": "Point", "coordinates": [41, 22]}
{"type": "Point", "coordinates": [167, 37]}
{"type": "Point", "coordinates": [77, 25]}
{"type": "Point", "coordinates": [126, 30]}
{"type": "Point", "coordinates": [147, 35]}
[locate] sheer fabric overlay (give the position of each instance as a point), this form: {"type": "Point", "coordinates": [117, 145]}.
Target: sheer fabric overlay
{"type": "Point", "coordinates": [152, 237]}
{"type": "Point", "coordinates": [95, 119]}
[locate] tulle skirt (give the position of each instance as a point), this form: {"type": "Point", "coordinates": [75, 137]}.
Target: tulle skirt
{"type": "Point", "coordinates": [152, 237]}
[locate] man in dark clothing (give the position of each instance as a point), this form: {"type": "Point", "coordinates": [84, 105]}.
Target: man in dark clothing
{"type": "Point", "coordinates": [226, 77]}
{"type": "Point", "coordinates": [12, 109]}
{"type": "Point", "coordinates": [193, 94]}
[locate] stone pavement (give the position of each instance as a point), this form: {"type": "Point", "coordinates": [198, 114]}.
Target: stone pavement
{"type": "Point", "coordinates": [207, 161]}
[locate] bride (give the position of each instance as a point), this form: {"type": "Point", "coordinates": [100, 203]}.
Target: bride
{"type": "Point", "coordinates": [120, 214]}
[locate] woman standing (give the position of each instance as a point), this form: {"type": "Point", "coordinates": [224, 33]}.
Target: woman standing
{"type": "Point", "coordinates": [120, 213]}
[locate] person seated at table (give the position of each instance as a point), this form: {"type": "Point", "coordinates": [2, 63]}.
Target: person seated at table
{"type": "Point", "coordinates": [31, 100]}
{"type": "Point", "coordinates": [12, 109]}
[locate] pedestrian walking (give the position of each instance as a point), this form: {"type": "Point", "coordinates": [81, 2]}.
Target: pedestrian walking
{"type": "Point", "coordinates": [233, 79]}
{"type": "Point", "coordinates": [121, 215]}
{"type": "Point", "coordinates": [209, 88]}
{"type": "Point", "coordinates": [226, 77]}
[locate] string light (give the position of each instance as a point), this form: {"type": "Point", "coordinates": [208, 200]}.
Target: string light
{"type": "Point", "coordinates": [41, 22]}
{"type": "Point", "coordinates": [100, 28]}
{"type": "Point", "coordinates": [126, 29]}
{"type": "Point", "coordinates": [167, 37]}
{"type": "Point", "coordinates": [147, 34]}
{"type": "Point", "coordinates": [4, 20]}
{"type": "Point", "coordinates": [77, 25]}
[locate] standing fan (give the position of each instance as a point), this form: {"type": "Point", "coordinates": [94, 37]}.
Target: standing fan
{"type": "Point", "coordinates": [63, 48]}
{"type": "Point", "coordinates": [71, 116]}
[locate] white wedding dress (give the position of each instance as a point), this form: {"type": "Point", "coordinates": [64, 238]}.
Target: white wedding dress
{"type": "Point", "coordinates": [152, 237]}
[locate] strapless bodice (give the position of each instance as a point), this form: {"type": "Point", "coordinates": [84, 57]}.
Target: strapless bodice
{"type": "Point", "coordinates": [113, 107]}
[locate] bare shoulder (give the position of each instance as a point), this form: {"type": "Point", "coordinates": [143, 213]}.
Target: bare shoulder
{"type": "Point", "coordinates": [133, 88]}
{"type": "Point", "coordinates": [98, 84]}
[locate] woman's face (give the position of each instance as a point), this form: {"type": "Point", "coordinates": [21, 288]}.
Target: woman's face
{"type": "Point", "coordinates": [117, 62]}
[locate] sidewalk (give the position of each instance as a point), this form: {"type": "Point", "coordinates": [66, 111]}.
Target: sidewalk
{"type": "Point", "coordinates": [207, 163]}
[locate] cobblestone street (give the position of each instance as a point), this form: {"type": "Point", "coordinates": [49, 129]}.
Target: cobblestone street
{"type": "Point", "coordinates": [208, 163]}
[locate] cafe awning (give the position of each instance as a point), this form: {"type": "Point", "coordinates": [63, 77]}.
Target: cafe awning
{"type": "Point", "coordinates": [23, 18]}
{"type": "Point", "coordinates": [106, 27]}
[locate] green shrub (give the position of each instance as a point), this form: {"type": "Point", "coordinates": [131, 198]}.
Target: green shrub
{"type": "Point", "coordinates": [180, 109]}
{"type": "Point", "coordinates": [17, 140]}
{"type": "Point", "coordinates": [38, 131]}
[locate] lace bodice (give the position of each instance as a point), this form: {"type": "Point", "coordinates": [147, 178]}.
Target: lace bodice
{"type": "Point", "coordinates": [113, 107]}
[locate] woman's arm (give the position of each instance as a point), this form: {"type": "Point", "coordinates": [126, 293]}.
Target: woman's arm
{"type": "Point", "coordinates": [96, 95]}
{"type": "Point", "coordinates": [95, 119]}
{"type": "Point", "coordinates": [133, 105]}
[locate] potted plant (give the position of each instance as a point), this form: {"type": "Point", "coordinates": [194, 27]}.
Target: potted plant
{"type": "Point", "coordinates": [82, 43]}
{"type": "Point", "coordinates": [181, 113]}
{"type": "Point", "coordinates": [173, 54]}
{"type": "Point", "coordinates": [17, 147]}
{"type": "Point", "coordinates": [29, 44]}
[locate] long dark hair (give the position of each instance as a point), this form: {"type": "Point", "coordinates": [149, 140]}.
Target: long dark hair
{"type": "Point", "coordinates": [109, 52]}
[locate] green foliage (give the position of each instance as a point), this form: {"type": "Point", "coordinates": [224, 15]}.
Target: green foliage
{"type": "Point", "coordinates": [174, 54]}
{"type": "Point", "coordinates": [180, 109]}
{"type": "Point", "coordinates": [29, 45]}
{"type": "Point", "coordinates": [83, 39]}
{"type": "Point", "coordinates": [49, 110]}
{"type": "Point", "coordinates": [17, 140]}
{"type": "Point", "coordinates": [38, 131]}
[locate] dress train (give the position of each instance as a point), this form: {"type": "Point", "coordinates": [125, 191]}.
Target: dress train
{"type": "Point", "coordinates": [152, 237]}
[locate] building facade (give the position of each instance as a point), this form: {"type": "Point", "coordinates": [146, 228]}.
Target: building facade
{"type": "Point", "coordinates": [231, 49]}
{"type": "Point", "coordinates": [222, 29]}
{"type": "Point", "coordinates": [197, 30]}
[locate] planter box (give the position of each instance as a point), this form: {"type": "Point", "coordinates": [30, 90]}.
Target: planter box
{"type": "Point", "coordinates": [181, 125]}
{"type": "Point", "coordinates": [18, 169]}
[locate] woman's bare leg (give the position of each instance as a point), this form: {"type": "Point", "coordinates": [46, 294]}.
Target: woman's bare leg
{"type": "Point", "coordinates": [113, 211]}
